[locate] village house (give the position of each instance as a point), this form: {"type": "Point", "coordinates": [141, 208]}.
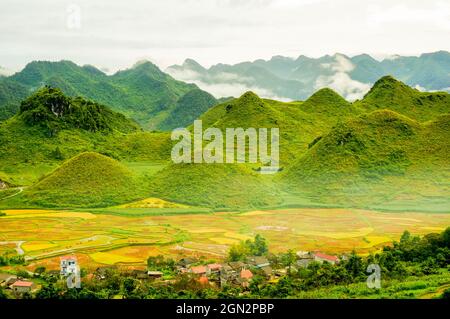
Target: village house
{"type": "Point", "coordinates": [227, 274]}
{"type": "Point", "coordinates": [214, 268]}
{"type": "Point", "coordinates": [199, 270]}
{"type": "Point", "coordinates": [68, 265]}
{"type": "Point", "coordinates": [321, 257]}
{"type": "Point", "coordinates": [21, 287]}
{"type": "Point", "coordinates": [103, 272]}
{"type": "Point", "coordinates": [237, 265]}
{"type": "Point", "coordinates": [154, 274]}
{"type": "Point", "coordinates": [7, 280]}
{"type": "Point", "coordinates": [206, 269]}
{"type": "Point", "coordinates": [186, 262]}
{"type": "Point", "coordinates": [140, 274]}
{"type": "Point", "coordinates": [304, 258]}
{"type": "Point", "coordinates": [245, 277]}
{"type": "Point", "coordinates": [262, 263]}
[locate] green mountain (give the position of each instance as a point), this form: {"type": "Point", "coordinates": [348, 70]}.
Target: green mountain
{"type": "Point", "coordinates": [144, 92]}
{"type": "Point", "coordinates": [328, 102]}
{"type": "Point", "coordinates": [51, 109]}
{"type": "Point", "coordinates": [11, 94]}
{"type": "Point", "coordinates": [397, 96]}
{"type": "Point", "coordinates": [87, 180]}
{"type": "Point", "coordinates": [241, 185]}
{"type": "Point", "coordinates": [332, 151]}
{"type": "Point", "coordinates": [51, 127]}
{"type": "Point", "coordinates": [379, 158]}
{"type": "Point", "coordinates": [388, 151]}
{"type": "Point", "coordinates": [189, 107]}
{"type": "Point", "coordinates": [296, 79]}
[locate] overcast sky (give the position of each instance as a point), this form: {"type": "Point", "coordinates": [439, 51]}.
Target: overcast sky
{"type": "Point", "coordinates": [115, 34]}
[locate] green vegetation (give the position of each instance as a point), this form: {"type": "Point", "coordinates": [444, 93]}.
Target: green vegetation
{"type": "Point", "coordinates": [11, 259]}
{"type": "Point", "coordinates": [257, 247]}
{"type": "Point", "coordinates": [143, 92]}
{"type": "Point", "coordinates": [88, 180]}
{"type": "Point", "coordinates": [188, 108]}
{"type": "Point", "coordinates": [36, 141]}
{"type": "Point", "coordinates": [382, 154]}
{"type": "Point", "coordinates": [52, 110]}
{"type": "Point", "coordinates": [375, 153]}
{"type": "Point", "coordinates": [389, 93]}
{"type": "Point", "coordinates": [218, 186]}
{"type": "Point", "coordinates": [11, 94]}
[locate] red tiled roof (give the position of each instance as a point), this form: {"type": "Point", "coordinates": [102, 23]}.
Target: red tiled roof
{"type": "Point", "coordinates": [22, 284]}
{"type": "Point", "coordinates": [246, 274]}
{"type": "Point", "coordinates": [68, 257]}
{"type": "Point", "coordinates": [326, 257]}
{"type": "Point", "coordinates": [198, 269]}
{"type": "Point", "coordinates": [214, 266]}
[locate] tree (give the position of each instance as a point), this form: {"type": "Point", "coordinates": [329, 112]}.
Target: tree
{"type": "Point", "coordinates": [57, 154]}
{"type": "Point", "coordinates": [288, 260]}
{"type": "Point", "coordinates": [446, 237]}
{"type": "Point", "coordinates": [48, 291]}
{"type": "Point", "coordinates": [354, 265]}
{"type": "Point", "coordinates": [259, 246]}
{"type": "Point", "coordinates": [238, 252]}
{"type": "Point", "coordinates": [3, 294]}
{"type": "Point", "coordinates": [446, 293]}
{"type": "Point", "coordinates": [39, 270]}
{"type": "Point", "coordinates": [23, 274]}
{"type": "Point", "coordinates": [129, 285]}
{"type": "Point", "coordinates": [405, 237]}
{"type": "Point", "coordinates": [155, 262]}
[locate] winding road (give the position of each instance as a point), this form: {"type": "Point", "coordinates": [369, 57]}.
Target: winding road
{"type": "Point", "coordinates": [20, 191]}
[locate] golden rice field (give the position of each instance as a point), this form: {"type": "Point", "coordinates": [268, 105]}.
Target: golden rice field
{"type": "Point", "coordinates": [100, 238]}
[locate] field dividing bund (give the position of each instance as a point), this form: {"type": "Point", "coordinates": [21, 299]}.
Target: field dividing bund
{"type": "Point", "coordinates": [102, 238]}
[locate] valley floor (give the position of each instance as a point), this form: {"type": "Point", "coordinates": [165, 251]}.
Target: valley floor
{"type": "Point", "coordinates": [128, 236]}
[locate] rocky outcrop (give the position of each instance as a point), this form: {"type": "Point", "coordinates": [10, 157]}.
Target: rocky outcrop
{"type": "Point", "coordinates": [3, 185]}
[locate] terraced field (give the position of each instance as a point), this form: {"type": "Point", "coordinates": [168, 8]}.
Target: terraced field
{"type": "Point", "coordinates": [102, 237]}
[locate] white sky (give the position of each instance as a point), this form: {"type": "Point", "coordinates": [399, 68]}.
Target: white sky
{"type": "Point", "coordinates": [115, 34]}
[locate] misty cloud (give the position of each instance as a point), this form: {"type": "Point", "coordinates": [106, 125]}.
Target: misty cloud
{"type": "Point", "coordinates": [223, 84]}
{"type": "Point", "coordinates": [341, 81]}
{"type": "Point", "coordinates": [115, 34]}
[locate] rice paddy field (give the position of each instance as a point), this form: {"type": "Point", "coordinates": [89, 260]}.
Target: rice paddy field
{"type": "Point", "coordinates": [127, 236]}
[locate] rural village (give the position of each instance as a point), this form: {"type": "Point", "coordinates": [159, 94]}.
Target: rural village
{"type": "Point", "coordinates": [232, 273]}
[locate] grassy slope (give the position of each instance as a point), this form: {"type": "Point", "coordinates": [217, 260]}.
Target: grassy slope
{"type": "Point", "coordinates": [388, 93]}
{"type": "Point", "coordinates": [215, 185]}
{"type": "Point", "coordinates": [36, 141]}
{"type": "Point", "coordinates": [239, 186]}
{"type": "Point", "coordinates": [87, 180]}
{"type": "Point", "coordinates": [381, 158]}
{"type": "Point", "coordinates": [375, 159]}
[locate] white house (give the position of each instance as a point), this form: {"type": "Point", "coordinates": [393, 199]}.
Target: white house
{"type": "Point", "coordinates": [68, 265]}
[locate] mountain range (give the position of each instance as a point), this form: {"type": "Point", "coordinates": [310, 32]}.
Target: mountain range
{"type": "Point", "coordinates": [143, 92]}
{"type": "Point", "coordinates": [285, 78]}
{"type": "Point", "coordinates": [389, 149]}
